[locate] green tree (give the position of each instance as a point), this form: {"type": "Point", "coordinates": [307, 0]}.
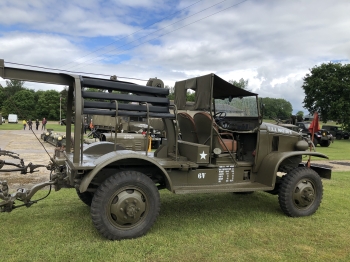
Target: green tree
{"type": "Point", "coordinates": [277, 108]}
{"type": "Point", "coordinates": [171, 95]}
{"type": "Point", "coordinates": [2, 97]}
{"type": "Point", "coordinates": [241, 83]}
{"type": "Point", "coordinates": [300, 116]}
{"type": "Point", "coordinates": [22, 103]}
{"type": "Point", "coordinates": [64, 98]}
{"type": "Point", "coordinates": [48, 105]}
{"type": "Point", "coordinates": [327, 91]}
{"type": "Point", "coordinates": [12, 87]}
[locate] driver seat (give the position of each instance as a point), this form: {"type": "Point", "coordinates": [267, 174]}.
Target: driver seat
{"type": "Point", "coordinates": [204, 124]}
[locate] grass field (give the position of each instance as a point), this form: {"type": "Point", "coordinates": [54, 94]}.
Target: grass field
{"type": "Point", "coordinates": [203, 227]}
{"type": "Point", "coordinates": [50, 125]}
{"type": "Point", "coordinates": [199, 227]}
{"type": "Point", "coordinates": [339, 150]}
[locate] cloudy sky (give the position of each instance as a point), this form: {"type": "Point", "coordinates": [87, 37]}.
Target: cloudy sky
{"type": "Point", "coordinates": [273, 44]}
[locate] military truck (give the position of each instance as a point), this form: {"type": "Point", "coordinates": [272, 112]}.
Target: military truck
{"type": "Point", "coordinates": [336, 131]}
{"type": "Point", "coordinates": [321, 137]}
{"type": "Point", "coordinates": [218, 152]}
{"type": "Point", "coordinates": [129, 124]}
{"type": "Point", "coordinates": [287, 124]}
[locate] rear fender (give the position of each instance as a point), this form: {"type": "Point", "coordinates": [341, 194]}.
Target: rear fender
{"type": "Point", "coordinates": [269, 166]}
{"type": "Point", "coordinates": [114, 159]}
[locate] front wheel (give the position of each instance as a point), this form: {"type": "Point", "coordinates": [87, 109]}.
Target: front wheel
{"type": "Point", "coordinates": [325, 143]}
{"type": "Point", "coordinates": [125, 205]}
{"type": "Point", "coordinates": [300, 193]}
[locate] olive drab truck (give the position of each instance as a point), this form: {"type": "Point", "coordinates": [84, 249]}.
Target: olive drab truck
{"type": "Point", "coordinates": [224, 147]}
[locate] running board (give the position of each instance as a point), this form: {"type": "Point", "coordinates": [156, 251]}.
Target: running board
{"type": "Point", "coordinates": [236, 187]}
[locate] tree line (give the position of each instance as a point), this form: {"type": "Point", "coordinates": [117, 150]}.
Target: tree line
{"type": "Point", "coordinates": [15, 98]}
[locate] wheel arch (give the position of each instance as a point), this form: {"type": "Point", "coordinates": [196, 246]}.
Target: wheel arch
{"type": "Point", "coordinates": [269, 167]}
{"type": "Point", "coordinates": [90, 176]}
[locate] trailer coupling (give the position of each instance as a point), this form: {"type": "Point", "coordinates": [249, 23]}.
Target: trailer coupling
{"type": "Point", "coordinates": [23, 195]}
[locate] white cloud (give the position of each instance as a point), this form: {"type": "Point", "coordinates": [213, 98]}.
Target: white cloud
{"type": "Point", "coordinates": [272, 44]}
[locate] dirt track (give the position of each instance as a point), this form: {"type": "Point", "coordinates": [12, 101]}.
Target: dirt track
{"type": "Point", "coordinates": [30, 149]}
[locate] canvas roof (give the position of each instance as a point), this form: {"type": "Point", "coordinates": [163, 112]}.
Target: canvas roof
{"type": "Point", "coordinates": [202, 86]}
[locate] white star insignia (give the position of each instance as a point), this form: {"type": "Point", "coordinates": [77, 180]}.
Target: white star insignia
{"type": "Point", "coordinates": [203, 155]}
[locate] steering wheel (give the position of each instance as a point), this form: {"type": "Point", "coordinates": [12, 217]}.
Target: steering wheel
{"type": "Point", "coordinates": [219, 116]}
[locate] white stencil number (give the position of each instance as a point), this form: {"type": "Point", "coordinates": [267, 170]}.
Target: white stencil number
{"type": "Point", "coordinates": [201, 175]}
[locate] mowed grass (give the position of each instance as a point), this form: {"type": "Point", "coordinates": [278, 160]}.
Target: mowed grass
{"type": "Point", "coordinates": [50, 125]}
{"type": "Point", "coordinates": [339, 150]}
{"type": "Point", "coordinates": [199, 227]}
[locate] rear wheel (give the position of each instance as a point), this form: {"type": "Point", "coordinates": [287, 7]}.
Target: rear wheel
{"type": "Point", "coordinates": [315, 141]}
{"type": "Point", "coordinates": [300, 193]}
{"type": "Point", "coordinates": [125, 205]}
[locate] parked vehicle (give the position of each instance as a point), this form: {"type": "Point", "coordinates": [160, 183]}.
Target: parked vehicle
{"type": "Point", "coordinates": [3, 120]}
{"type": "Point", "coordinates": [336, 131]}
{"type": "Point", "coordinates": [322, 137]}
{"type": "Point", "coordinates": [220, 151]}
{"type": "Point", "coordinates": [12, 118]}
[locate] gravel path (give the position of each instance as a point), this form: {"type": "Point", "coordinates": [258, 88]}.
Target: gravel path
{"type": "Point", "coordinates": [26, 144]}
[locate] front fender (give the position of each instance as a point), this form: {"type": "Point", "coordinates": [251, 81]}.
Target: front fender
{"type": "Point", "coordinates": [116, 156]}
{"type": "Point", "coordinates": [269, 166]}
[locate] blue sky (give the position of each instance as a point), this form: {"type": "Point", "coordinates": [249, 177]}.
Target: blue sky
{"type": "Point", "coordinates": [273, 44]}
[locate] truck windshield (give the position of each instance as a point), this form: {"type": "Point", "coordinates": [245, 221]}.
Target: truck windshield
{"type": "Point", "coordinates": [243, 106]}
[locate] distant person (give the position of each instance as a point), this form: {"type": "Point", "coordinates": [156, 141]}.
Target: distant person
{"type": "Point", "coordinates": [91, 125]}
{"type": "Point", "coordinates": [30, 124]}
{"type": "Point", "coordinates": [24, 124]}
{"type": "Point", "coordinates": [37, 123]}
{"type": "Point", "coordinates": [43, 124]}
{"type": "Point", "coordinates": [85, 125]}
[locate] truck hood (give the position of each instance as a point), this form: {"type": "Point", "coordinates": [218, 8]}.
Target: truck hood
{"type": "Point", "coordinates": [271, 128]}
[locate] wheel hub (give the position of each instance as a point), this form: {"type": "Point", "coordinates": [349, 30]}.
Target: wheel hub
{"type": "Point", "coordinates": [304, 194]}
{"type": "Point", "coordinates": [127, 207]}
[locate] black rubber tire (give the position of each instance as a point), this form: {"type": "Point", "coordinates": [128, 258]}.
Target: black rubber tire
{"type": "Point", "coordinates": [300, 193]}
{"type": "Point", "coordinates": [325, 143]}
{"type": "Point", "coordinates": [315, 141]}
{"type": "Point", "coordinates": [86, 197]}
{"type": "Point", "coordinates": [125, 205]}
{"type": "Point", "coordinates": [339, 137]}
